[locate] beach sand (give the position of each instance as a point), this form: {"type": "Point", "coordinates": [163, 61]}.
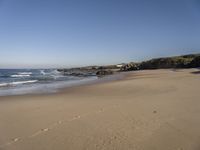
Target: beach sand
{"type": "Point", "coordinates": [147, 110]}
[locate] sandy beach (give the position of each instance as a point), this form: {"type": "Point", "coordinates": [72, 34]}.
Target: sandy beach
{"type": "Point", "coordinates": [147, 110]}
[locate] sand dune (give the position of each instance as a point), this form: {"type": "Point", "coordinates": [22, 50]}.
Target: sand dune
{"type": "Point", "coordinates": [147, 110]}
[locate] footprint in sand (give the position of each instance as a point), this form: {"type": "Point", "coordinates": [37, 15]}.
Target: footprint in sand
{"type": "Point", "coordinates": [45, 130]}
{"type": "Point", "coordinates": [75, 117]}
{"type": "Point", "coordinates": [15, 139]}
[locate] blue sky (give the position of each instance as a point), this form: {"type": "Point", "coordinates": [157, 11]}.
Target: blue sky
{"type": "Point", "coordinates": [69, 33]}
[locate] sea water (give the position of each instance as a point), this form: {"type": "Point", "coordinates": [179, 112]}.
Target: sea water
{"type": "Point", "coordinates": [24, 81]}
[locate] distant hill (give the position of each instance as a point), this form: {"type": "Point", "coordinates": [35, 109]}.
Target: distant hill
{"type": "Point", "coordinates": [184, 61]}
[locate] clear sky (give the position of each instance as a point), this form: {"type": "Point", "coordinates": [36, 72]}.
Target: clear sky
{"type": "Point", "coordinates": [68, 33]}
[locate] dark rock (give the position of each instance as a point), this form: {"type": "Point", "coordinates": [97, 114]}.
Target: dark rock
{"type": "Point", "coordinates": [195, 62]}
{"type": "Point", "coordinates": [164, 63]}
{"type": "Point", "coordinates": [185, 61]}
{"type": "Point", "coordinates": [130, 66]}
{"type": "Point", "coordinates": [104, 72]}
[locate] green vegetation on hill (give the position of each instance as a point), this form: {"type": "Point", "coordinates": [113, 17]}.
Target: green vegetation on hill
{"type": "Point", "coordinates": [185, 61]}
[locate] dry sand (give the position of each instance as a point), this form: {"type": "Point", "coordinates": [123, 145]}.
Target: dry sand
{"type": "Point", "coordinates": [148, 110]}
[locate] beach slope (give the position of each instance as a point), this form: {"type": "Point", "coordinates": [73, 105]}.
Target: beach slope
{"type": "Point", "coordinates": [147, 110]}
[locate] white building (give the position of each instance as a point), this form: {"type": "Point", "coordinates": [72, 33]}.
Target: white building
{"type": "Point", "coordinates": [120, 65]}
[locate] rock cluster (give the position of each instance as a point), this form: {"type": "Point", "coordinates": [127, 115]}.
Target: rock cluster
{"type": "Point", "coordinates": [104, 72]}
{"type": "Point", "coordinates": [130, 66]}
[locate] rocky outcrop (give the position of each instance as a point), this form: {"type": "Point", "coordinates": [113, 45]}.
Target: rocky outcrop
{"type": "Point", "coordinates": [104, 72]}
{"type": "Point", "coordinates": [185, 61]}
{"type": "Point", "coordinates": [77, 72]}
{"type": "Point", "coordinates": [82, 72]}
{"type": "Point", "coordinates": [195, 62]}
{"type": "Point", "coordinates": [163, 63]}
{"type": "Point", "coordinates": [130, 66]}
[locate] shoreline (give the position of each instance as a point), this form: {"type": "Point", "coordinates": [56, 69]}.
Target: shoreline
{"type": "Point", "coordinates": [119, 76]}
{"type": "Point", "coordinates": [100, 80]}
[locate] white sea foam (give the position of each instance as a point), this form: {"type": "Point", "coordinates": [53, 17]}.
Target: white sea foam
{"type": "Point", "coordinates": [42, 72]}
{"type": "Point", "coordinates": [24, 82]}
{"type": "Point", "coordinates": [17, 83]}
{"type": "Point", "coordinates": [25, 73]}
{"type": "Point", "coordinates": [3, 84]}
{"type": "Point", "coordinates": [20, 75]}
{"type": "Point", "coordinates": [56, 74]}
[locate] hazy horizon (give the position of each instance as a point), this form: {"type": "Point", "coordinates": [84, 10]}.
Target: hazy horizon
{"type": "Point", "coordinates": [74, 66]}
{"type": "Point", "coordinates": [58, 34]}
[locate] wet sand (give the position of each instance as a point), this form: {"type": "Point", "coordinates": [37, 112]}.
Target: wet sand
{"type": "Point", "coordinates": [147, 110]}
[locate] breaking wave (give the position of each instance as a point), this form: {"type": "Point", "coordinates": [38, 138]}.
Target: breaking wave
{"type": "Point", "coordinates": [25, 73]}
{"type": "Point", "coordinates": [20, 75]}
{"type": "Point", "coordinates": [17, 83]}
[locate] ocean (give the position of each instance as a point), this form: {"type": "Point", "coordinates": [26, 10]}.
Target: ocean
{"type": "Point", "coordinates": [27, 81]}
